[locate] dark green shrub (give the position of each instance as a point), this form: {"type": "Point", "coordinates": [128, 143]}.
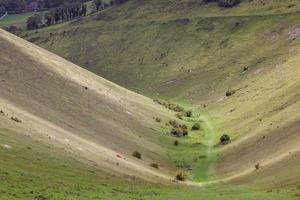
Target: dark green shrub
{"type": "Point", "coordinates": [224, 3]}
{"type": "Point", "coordinates": [228, 3]}
{"type": "Point", "coordinates": [176, 143]}
{"type": "Point", "coordinates": [183, 126]}
{"type": "Point", "coordinates": [185, 132]}
{"type": "Point", "coordinates": [181, 176]}
{"type": "Point", "coordinates": [158, 119]}
{"type": "Point", "coordinates": [230, 92]}
{"type": "Point", "coordinates": [169, 105]}
{"type": "Point", "coordinates": [16, 119]}
{"type": "Point", "coordinates": [175, 107]}
{"type": "Point", "coordinates": [137, 154]}
{"type": "Point", "coordinates": [225, 139]}
{"type": "Point", "coordinates": [174, 123]}
{"type": "Point", "coordinates": [179, 115]}
{"type": "Point", "coordinates": [177, 132]}
{"type": "Point", "coordinates": [154, 165]}
{"type": "Point", "coordinates": [189, 113]}
{"type": "Point", "coordinates": [196, 126]}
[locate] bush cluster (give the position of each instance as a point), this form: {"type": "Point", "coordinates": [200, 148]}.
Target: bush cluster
{"type": "Point", "coordinates": [188, 113]}
{"type": "Point", "coordinates": [176, 142]}
{"type": "Point", "coordinates": [179, 115]}
{"type": "Point", "coordinates": [16, 119]}
{"type": "Point", "coordinates": [196, 126]}
{"type": "Point", "coordinates": [178, 130]}
{"type": "Point", "coordinates": [154, 165]}
{"type": "Point", "coordinates": [230, 92]}
{"type": "Point", "coordinates": [158, 120]}
{"type": "Point", "coordinates": [137, 154]}
{"type": "Point", "coordinates": [169, 105]}
{"type": "Point", "coordinates": [225, 3]}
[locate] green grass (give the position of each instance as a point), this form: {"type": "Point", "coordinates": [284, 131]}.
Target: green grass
{"type": "Point", "coordinates": [198, 149]}
{"type": "Point", "coordinates": [204, 167]}
{"type": "Point", "coordinates": [18, 20]}
{"type": "Point", "coordinates": [163, 55]}
{"type": "Point", "coordinates": [32, 170]}
{"type": "Point", "coordinates": [176, 64]}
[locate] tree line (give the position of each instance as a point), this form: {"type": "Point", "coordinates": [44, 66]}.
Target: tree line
{"type": "Point", "coordinates": [224, 3]}
{"type": "Point", "coordinates": [19, 6]}
{"type": "Point", "coordinates": [101, 4]}
{"type": "Point", "coordinates": [66, 12]}
{"type": "Point", "coordinates": [2, 10]}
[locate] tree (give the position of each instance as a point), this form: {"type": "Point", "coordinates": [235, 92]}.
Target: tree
{"type": "Point", "coordinates": [2, 10]}
{"type": "Point", "coordinates": [120, 1]}
{"type": "Point", "coordinates": [14, 6]}
{"type": "Point", "coordinates": [224, 3]}
{"type": "Point", "coordinates": [228, 3]}
{"type": "Point", "coordinates": [34, 22]}
{"type": "Point", "coordinates": [48, 18]}
{"type": "Point", "coordinates": [225, 139]}
{"type": "Point", "coordinates": [196, 126]}
{"type": "Point", "coordinates": [98, 4]}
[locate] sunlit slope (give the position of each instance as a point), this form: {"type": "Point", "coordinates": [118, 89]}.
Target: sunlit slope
{"type": "Point", "coordinates": [177, 49]}
{"type": "Point", "coordinates": [263, 119]}
{"type": "Point", "coordinates": [73, 109]}
{"type": "Point", "coordinates": [195, 53]}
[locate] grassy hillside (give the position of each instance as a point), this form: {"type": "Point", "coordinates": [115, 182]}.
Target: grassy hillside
{"type": "Point", "coordinates": [185, 51]}
{"type": "Point", "coordinates": [193, 53]}
{"type": "Point", "coordinates": [63, 127]}
{"type": "Point", "coordinates": [74, 108]}
{"type": "Point", "coordinates": [18, 20]}
{"type": "Point", "coordinates": [177, 49]}
{"type": "Point", "coordinates": [31, 169]}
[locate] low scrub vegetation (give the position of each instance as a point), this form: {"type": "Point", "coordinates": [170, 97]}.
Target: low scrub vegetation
{"type": "Point", "coordinates": [154, 165]}
{"type": "Point", "coordinates": [257, 166]}
{"type": "Point", "coordinates": [196, 126]}
{"type": "Point", "coordinates": [176, 142]}
{"type": "Point", "coordinates": [181, 176]}
{"type": "Point", "coordinates": [137, 155]}
{"type": "Point", "coordinates": [178, 130]}
{"type": "Point", "coordinates": [158, 120]}
{"type": "Point", "coordinates": [16, 119]}
{"type": "Point", "coordinates": [230, 93]}
{"type": "Point", "coordinates": [225, 3]}
{"type": "Point", "coordinates": [169, 105]}
{"type": "Point", "coordinates": [179, 115]}
{"type": "Point", "coordinates": [188, 113]}
{"type": "Point", "coordinates": [175, 124]}
{"type": "Point", "coordinates": [225, 139]}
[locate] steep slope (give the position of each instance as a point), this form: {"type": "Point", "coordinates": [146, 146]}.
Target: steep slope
{"type": "Point", "coordinates": [194, 52]}
{"type": "Point", "coordinates": [177, 49]}
{"type": "Point", "coordinates": [263, 120]}
{"type": "Point", "coordinates": [55, 139]}
{"type": "Point", "coordinates": [73, 109]}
